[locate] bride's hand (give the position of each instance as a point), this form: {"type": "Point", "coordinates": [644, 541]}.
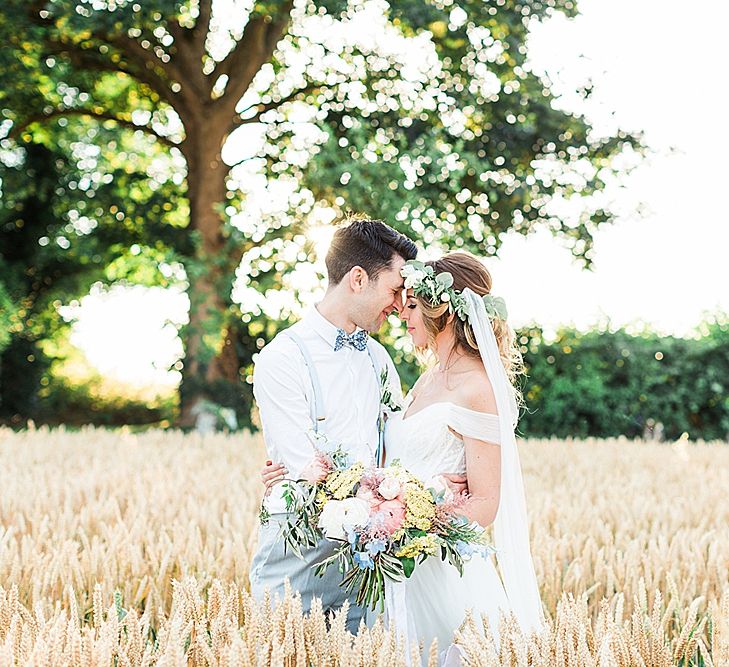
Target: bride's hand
{"type": "Point", "coordinates": [456, 483]}
{"type": "Point", "coordinates": [271, 474]}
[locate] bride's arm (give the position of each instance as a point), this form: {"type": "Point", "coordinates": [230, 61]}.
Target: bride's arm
{"type": "Point", "coordinates": [483, 469]}
{"type": "Point", "coordinates": [483, 458]}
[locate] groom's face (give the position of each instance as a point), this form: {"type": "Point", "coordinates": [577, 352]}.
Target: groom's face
{"type": "Point", "coordinates": [382, 296]}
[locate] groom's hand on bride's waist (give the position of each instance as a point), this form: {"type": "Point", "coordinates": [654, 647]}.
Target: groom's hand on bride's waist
{"type": "Point", "coordinates": [456, 483]}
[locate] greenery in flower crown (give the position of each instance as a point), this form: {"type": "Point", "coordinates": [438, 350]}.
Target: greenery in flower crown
{"type": "Point", "coordinates": [438, 288]}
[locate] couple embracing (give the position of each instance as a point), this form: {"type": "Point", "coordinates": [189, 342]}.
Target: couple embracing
{"type": "Point", "coordinates": [457, 423]}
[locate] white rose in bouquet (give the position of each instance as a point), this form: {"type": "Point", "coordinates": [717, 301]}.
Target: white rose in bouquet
{"type": "Point", "coordinates": [340, 514]}
{"type": "Point", "coordinates": [390, 488]}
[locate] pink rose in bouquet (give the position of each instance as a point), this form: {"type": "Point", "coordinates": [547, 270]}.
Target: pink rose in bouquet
{"type": "Point", "coordinates": [372, 497]}
{"type": "Point", "coordinates": [390, 516]}
{"type": "Point", "coordinates": [317, 469]}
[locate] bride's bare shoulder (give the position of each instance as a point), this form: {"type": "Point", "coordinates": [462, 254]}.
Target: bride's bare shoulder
{"type": "Point", "coordinates": [475, 390]}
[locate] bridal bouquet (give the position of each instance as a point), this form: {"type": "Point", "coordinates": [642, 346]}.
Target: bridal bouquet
{"type": "Point", "coordinates": [386, 519]}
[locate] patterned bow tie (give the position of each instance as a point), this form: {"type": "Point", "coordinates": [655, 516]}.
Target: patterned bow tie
{"type": "Point", "coordinates": [358, 340]}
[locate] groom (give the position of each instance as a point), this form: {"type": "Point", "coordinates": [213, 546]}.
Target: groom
{"type": "Point", "coordinates": [323, 375]}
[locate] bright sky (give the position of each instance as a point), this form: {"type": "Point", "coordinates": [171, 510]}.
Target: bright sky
{"type": "Point", "coordinates": [666, 269]}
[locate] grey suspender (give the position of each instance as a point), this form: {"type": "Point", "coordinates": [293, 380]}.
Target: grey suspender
{"type": "Point", "coordinates": [318, 413]}
{"type": "Point", "coordinates": [317, 408]}
{"type": "Point", "coordinates": [379, 455]}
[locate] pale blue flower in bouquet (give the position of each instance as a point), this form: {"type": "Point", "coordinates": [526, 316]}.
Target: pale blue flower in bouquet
{"type": "Point", "coordinates": [468, 549]}
{"type": "Point", "coordinates": [376, 546]}
{"type": "Point", "coordinates": [465, 549]}
{"type": "Point", "coordinates": [364, 560]}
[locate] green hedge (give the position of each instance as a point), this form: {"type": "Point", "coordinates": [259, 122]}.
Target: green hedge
{"type": "Point", "coordinates": [603, 383]}
{"type": "Point", "coordinates": [598, 383]}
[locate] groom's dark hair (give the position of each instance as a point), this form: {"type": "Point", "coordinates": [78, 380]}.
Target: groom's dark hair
{"type": "Point", "coordinates": [370, 244]}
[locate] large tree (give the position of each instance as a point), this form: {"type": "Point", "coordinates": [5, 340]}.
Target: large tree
{"type": "Point", "coordinates": [427, 115]}
{"type": "Point", "coordinates": [51, 252]}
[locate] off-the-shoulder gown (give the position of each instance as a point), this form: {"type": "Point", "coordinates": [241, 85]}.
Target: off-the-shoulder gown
{"type": "Point", "coordinates": [438, 597]}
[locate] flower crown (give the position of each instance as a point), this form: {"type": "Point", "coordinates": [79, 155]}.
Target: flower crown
{"type": "Point", "coordinates": [438, 288]}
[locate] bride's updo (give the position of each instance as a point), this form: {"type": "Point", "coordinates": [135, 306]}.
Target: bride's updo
{"type": "Point", "coordinates": [467, 271]}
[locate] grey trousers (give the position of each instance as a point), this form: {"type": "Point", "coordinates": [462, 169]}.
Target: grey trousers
{"type": "Point", "coordinates": [271, 567]}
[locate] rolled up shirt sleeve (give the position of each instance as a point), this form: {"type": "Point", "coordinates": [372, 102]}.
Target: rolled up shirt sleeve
{"type": "Point", "coordinates": [280, 379]}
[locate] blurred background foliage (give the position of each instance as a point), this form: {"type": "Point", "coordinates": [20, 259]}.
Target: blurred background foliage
{"type": "Point", "coordinates": [606, 382]}
{"type": "Point", "coordinates": [602, 383]}
{"type": "Point", "coordinates": [598, 383]}
{"type": "Point", "coordinates": [195, 145]}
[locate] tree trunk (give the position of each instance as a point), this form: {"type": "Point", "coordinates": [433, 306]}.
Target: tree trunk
{"type": "Point", "coordinates": [211, 366]}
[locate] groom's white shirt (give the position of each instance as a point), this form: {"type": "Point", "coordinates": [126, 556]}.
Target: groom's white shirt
{"type": "Point", "coordinates": [350, 390]}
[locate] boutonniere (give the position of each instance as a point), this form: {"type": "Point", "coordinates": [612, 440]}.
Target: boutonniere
{"type": "Point", "coordinates": [387, 400]}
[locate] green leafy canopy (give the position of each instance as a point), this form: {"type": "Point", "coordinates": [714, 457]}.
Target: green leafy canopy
{"type": "Point", "coordinates": [426, 115]}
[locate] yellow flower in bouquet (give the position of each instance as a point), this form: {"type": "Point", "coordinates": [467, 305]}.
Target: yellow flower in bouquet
{"type": "Point", "coordinates": [426, 544]}
{"type": "Point", "coordinates": [420, 508]}
{"type": "Point", "coordinates": [321, 498]}
{"type": "Point", "coordinates": [341, 483]}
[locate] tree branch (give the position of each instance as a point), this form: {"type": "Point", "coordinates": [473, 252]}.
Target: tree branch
{"type": "Point", "coordinates": [248, 43]}
{"type": "Point", "coordinates": [202, 25]}
{"type": "Point", "coordinates": [147, 61]}
{"type": "Point", "coordinates": [253, 50]}
{"type": "Point", "coordinates": [89, 58]}
{"type": "Point", "coordinates": [187, 63]}
{"type": "Point", "coordinates": [244, 160]}
{"type": "Point", "coordinates": [278, 27]}
{"type": "Point", "coordinates": [270, 106]}
{"type": "Point", "coordinates": [92, 113]}
{"type": "Point", "coordinates": [143, 58]}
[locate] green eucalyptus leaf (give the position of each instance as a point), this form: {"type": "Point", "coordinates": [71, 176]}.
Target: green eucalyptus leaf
{"type": "Point", "coordinates": [445, 279]}
{"type": "Point", "coordinates": [495, 307]}
{"type": "Point", "coordinates": [500, 306]}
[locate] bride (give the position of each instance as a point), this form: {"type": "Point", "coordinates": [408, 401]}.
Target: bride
{"type": "Point", "coordinates": [460, 416]}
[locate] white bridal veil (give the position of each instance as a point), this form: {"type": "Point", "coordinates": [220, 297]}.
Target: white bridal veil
{"type": "Point", "coordinates": [511, 527]}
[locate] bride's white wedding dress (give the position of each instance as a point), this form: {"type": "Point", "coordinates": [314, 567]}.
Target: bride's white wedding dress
{"type": "Point", "coordinates": [438, 598]}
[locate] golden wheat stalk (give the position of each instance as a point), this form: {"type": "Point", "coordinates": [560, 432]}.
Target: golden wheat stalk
{"type": "Point", "coordinates": [629, 542]}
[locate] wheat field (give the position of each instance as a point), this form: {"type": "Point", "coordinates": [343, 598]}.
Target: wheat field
{"type": "Point", "coordinates": [124, 549]}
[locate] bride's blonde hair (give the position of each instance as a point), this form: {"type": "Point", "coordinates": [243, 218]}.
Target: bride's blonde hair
{"type": "Point", "coordinates": [467, 271]}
